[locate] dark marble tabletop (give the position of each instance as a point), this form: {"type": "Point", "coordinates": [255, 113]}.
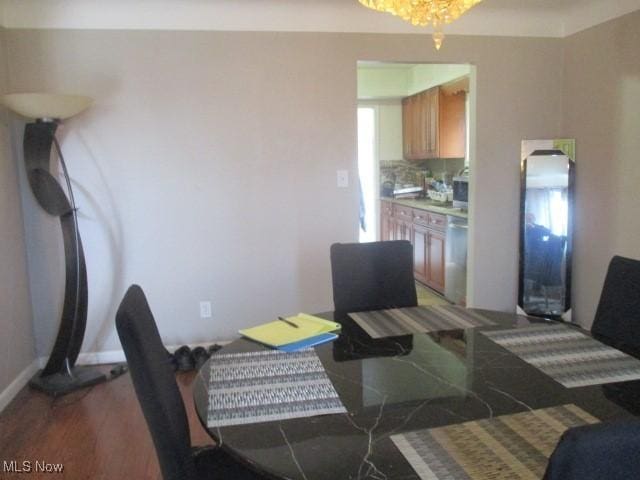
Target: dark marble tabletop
{"type": "Point", "coordinates": [400, 384]}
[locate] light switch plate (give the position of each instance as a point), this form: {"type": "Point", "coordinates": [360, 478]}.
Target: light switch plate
{"type": "Point", "coordinates": [343, 178]}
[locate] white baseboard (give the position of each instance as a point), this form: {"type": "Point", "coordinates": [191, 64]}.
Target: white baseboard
{"type": "Point", "coordinates": [18, 384]}
{"type": "Point", "coordinates": [117, 356]}
{"type": "Point", "coordinates": [97, 358]}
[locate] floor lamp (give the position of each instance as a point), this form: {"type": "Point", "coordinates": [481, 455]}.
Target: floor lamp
{"type": "Point", "coordinates": [60, 375]}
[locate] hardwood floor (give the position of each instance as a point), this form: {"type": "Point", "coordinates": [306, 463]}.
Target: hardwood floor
{"type": "Point", "coordinates": [96, 433]}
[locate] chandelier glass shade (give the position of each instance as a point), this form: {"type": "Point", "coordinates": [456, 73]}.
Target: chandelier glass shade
{"type": "Point", "coordinates": [424, 12]}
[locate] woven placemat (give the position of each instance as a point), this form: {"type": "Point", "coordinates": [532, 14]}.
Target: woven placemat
{"type": "Point", "coordinates": [509, 447]}
{"type": "Point", "coordinates": [404, 321]}
{"type": "Point", "coordinates": [269, 385]}
{"type": "Point", "coordinates": [567, 355]}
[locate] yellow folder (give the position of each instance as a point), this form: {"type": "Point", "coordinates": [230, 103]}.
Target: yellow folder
{"type": "Point", "coordinates": [279, 333]}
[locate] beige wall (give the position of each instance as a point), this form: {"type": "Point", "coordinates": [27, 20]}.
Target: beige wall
{"type": "Point", "coordinates": [16, 333]}
{"type": "Point", "coordinates": [207, 167]}
{"type": "Point", "coordinates": [602, 112]}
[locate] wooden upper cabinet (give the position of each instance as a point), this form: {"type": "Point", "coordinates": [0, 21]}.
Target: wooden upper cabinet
{"type": "Point", "coordinates": [420, 139]}
{"type": "Point", "coordinates": [433, 125]}
{"type": "Point", "coordinates": [410, 127]}
{"type": "Point", "coordinates": [453, 126]}
{"type": "Point", "coordinates": [406, 126]}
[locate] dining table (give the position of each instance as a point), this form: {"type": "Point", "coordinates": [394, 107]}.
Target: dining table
{"type": "Point", "coordinates": [395, 385]}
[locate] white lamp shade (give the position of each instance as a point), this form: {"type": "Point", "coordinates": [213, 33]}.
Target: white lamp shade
{"type": "Point", "coordinates": [46, 105]}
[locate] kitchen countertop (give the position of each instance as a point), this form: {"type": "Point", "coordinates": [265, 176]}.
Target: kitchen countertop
{"type": "Point", "coordinates": [429, 205]}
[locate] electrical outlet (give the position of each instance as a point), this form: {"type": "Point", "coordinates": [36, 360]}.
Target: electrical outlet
{"type": "Point", "coordinates": [205, 309]}
{"type": "Point", "coordinates": [343, 178]}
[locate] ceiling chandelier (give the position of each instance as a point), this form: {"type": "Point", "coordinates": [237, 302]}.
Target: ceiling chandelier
{"type": "Point", "coordinates": [424, 12]}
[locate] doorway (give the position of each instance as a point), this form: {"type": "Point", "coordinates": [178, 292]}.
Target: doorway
{"type": "Point", "coordinates": [396, 166]}
{"type": "Point", "coordinates": [368, 173]}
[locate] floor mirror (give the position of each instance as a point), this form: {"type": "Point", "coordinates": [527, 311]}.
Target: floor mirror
{"type": "Point", "coordinates": [546, 227]}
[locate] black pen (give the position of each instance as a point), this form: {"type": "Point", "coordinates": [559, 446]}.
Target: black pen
{"type": "Point", "coordinates": [288, 322]}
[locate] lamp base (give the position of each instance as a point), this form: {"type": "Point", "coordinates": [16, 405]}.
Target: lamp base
{"type": "Point", "coordinates": [59, 384]}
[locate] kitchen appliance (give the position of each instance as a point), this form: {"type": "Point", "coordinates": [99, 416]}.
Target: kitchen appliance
{"type": "Point", "coordinates": [386, 189]}
{"type": "Point", "coordinates": [408, 192]}
{"type": "Point", "coordinates": [455, 273]}
{"type": "Point", "coordinates": [461, 192]}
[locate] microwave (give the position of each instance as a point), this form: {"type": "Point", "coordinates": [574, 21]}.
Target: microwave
{"type": "Point", "coordinates": [461, 192]}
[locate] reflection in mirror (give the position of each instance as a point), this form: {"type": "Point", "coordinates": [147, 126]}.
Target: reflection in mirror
{"type": "Point", "coordinates": [545, 235]}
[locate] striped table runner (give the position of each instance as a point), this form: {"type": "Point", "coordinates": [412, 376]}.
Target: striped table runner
{"type": "Point", "coordinates": [269, 385]}
{"type": "Point", "coordinates": [509, 447]}
{"type": "Point", "coordinates": [567, 355]}
{"type": "Point", "coordinates": [405, 321]}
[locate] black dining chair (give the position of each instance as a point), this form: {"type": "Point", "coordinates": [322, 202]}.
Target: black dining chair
{"type": "Point", "coordinates": [597, 452]}
{"type": "Point", "coordinates": [617, 319]}
{"type": "Point", "coordinates": [372, 276]}
{"type": "Point", "coordinates": [155, 385]}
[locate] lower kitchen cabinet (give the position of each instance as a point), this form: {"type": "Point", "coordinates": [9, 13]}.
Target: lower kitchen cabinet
{"type": "Point", "coordinates": [420, 253]}
{"type": "Point", "coordinates": [387, 222]}
{"type": "Point", "coordinates": [436, 248]}
{"type": "Point", "coordinates": [428, 256]}
{"type": "Point", "coordinates": [404, 230]}
{"type": "Point", "coordinates": [426, 232]}
{"type": "Point", "coordinates": [403, 217]}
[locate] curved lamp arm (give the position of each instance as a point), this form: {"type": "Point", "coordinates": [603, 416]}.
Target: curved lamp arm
{"type": "Point", "coordinates": [39, 137]}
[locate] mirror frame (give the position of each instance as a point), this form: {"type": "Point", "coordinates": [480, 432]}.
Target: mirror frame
{"type": "Point", "coordinates": [566, 146]}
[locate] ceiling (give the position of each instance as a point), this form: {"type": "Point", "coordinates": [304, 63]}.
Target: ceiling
{"type": "Point", "coordinates": [540, 18]}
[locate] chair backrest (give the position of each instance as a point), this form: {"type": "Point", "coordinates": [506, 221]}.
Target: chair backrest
{"type": "Point", "coordinates": [155, 385]}
{"type": "Point", "coordinates": [372, 276]}
{"type": "Point", "coordinates": [594, 452]}
{"type": "Point", "coordinates": [617, 320]}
